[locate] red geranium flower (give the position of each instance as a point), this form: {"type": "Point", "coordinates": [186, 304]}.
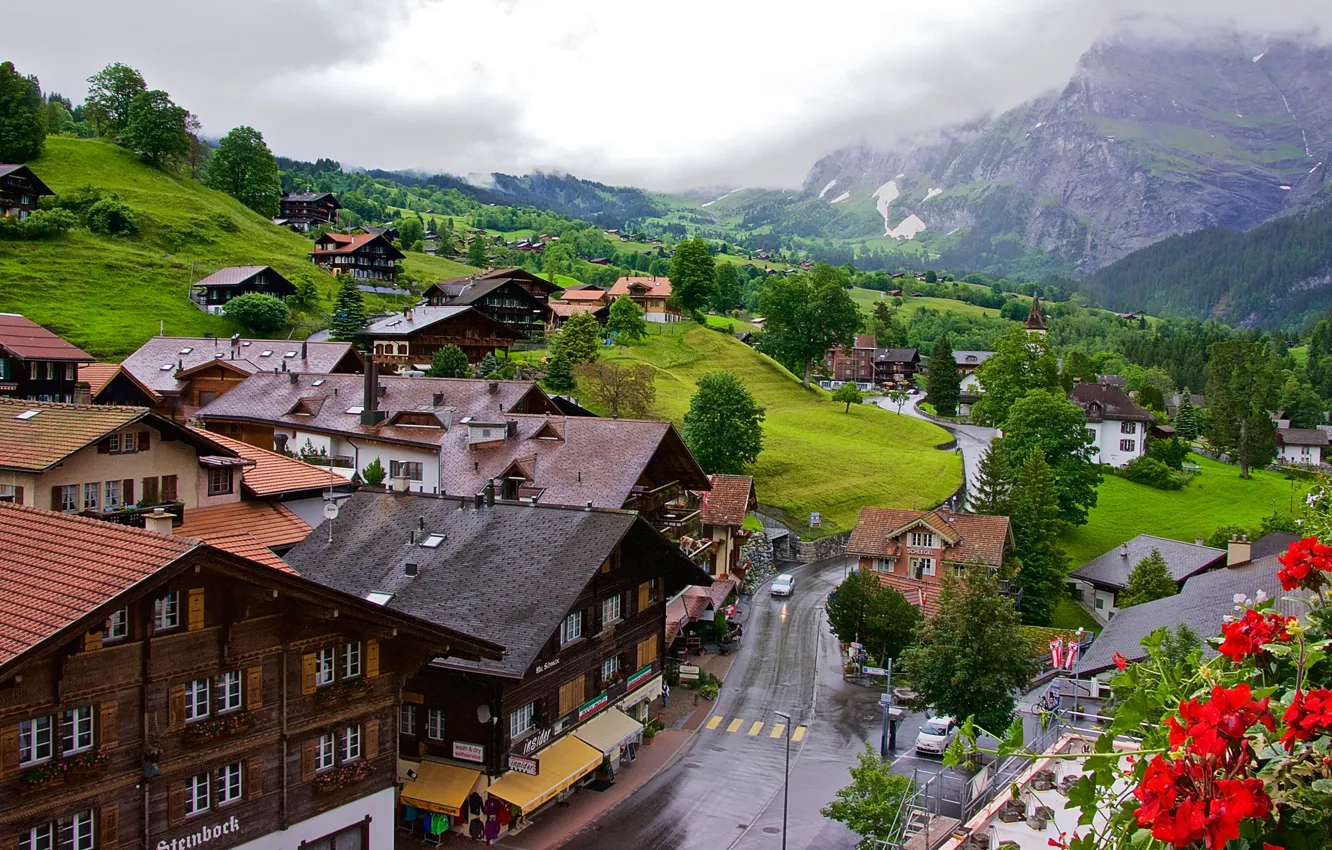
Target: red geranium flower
{"type": "Point", "coordinates": [1305, 564]}
{"type": "Point", "coordinates": [1219, 725]}
{"type": "Point", "coordinates": [1120, 661]}
{"type": "Point", "coordinates": [1246, 636]}
{"type": "Point", "coordinates": [1182, 802]}
{"type": "Point", "coordinates": [1309, 716]}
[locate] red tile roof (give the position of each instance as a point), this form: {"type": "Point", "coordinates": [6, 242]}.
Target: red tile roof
{"type": "Point", "coordinates": [274, 474]}
{"type": "Point", "coordinates": [865, 341]}
{"type": "Point", "coordinates": [56, 431]}
{"type": "Point", "coordinates": [924, 595]}
{"type": "Point", "coordinates": [659, 286]}
{"type": "Point", "coordinates": [97, 375]}
{"type": "Point", "coordinates": [246, 546]}
{"type": "Point", "coordinates": [729, 502]}
{"type": "Point", "coordinates": [27, 340]}
{"type": "Point", "coordinates": [977, 537]}
{"type": "Point", "coordinates": [271, 524]}
{"type": "Point", "coordinates": [598, 295]}
{"type": "Point", "coordinates": [56, 568]}
{"type": "Point", "coordinates": [350, 242]}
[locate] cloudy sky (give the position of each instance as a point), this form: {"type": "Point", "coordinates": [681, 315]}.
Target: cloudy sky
{"type": "Point", "coordinates": [662, 95]}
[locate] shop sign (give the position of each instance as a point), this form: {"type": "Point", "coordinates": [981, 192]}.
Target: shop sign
{"type": "Point", "coordinates": [464, 751]}
{"type": "Point", "coordinates": [688, 672]}
{"type": "Point", "coordinates": [594, 705]}
{"type": "Point", "coordinates": [919, 550]}
{"type": "Point", "coordinates": [546, 665]}
{"type": "Point", "coordinates": [638, 678]}
{"type": "Point", "coordinates": [202, 836]}
{"type": "Point", "coordinates": [536, 742]}
{"type": "Point", "coordinates": [521, 764]}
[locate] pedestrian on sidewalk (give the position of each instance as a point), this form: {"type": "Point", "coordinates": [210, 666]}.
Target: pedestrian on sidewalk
{"type": "Point", "coordinates": [665, 693]}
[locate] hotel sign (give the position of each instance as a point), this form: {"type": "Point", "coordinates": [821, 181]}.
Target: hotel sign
{"type": "Point", "coordinates": [464, 751]}
{"type": "Point", "coordinates": [202, 836]}
{"type": "Point", "coordinates": [594, 705]}
{"type": "Point", "coordinates": [638, 678]}
{"type": "Point", "coordinates": [520, 764]}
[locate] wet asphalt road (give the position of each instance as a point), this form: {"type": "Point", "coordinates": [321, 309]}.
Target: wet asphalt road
{"type": "Point", "coordinates": [726, 792]}
{"type": "Point", "coordinates": [973, 440]}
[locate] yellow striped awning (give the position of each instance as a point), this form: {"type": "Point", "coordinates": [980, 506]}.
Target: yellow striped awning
{"type": "Point", "coordinates": [562, 764]}
{"type": "Point", "coordinates": [441, 788]}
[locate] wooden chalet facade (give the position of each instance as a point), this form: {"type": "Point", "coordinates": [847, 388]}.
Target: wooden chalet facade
{"type": "Point", "coordinates": [411, 339]}
{"type": "Point", "coordinates": [896, 366]}
{"type": "Point", "coordinates": [19, 191]}
{"type": "Point", "coordinates": [651, 294]}
{"type": "Point", "coordinates": [582, 625]}
{"type": "Point", "coordinates": [214, 291]}
{"type": "Point", "coordinates": [180, 694]}
{"type": "Point", "coordinates": [503, 299]}
{"type": "Point", "coordinates": [305, 210]}
{"type": "Point", "coordinates": [35, 363]}
{"type": "Point", "coordinates": [362, 255]}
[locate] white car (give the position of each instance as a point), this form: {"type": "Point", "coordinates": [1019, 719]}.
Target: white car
{"type": "Point", "coordinates": [937, 735]}
{"type": "Point", "coordinates": [782, 585]}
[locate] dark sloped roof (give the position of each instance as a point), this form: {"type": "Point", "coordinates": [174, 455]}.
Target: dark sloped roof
{"type": "Point", "coordinates": [1035, 319]}
{"type": "Point", "coordinates": [1184, 559]}
{"type": "Point", "coordinates": [1300, 437]}
{"type": "Point", "coordinates": [1102, 402]}
{"type": "Point", "coordinates": [236, 275]}
{"type": "Point", "coordinates": [307, 197]}
{"type": "Point", "coordinates": [38, 187]}
{"type": "Point", "coordinates": [897, 355]}
{"type": "Point", "coordinates": [183, 353]}
{"type": "Point", "coordinates": [425, 316]}
{"type": "Point", "coordinates": [1272, 543]}
{"type": "Point", "coordinates": [506, 573]}
{"type": "Point", "coordinates": [28, 340]}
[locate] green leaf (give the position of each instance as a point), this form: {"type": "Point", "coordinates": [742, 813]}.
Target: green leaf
{"type": "Point", "coordinates": [1322, 786]}
{"type": "Point", "coordinates": [1012, 742]}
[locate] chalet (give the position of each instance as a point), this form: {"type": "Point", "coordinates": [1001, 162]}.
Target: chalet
{"type": "Point", "coordinates": [967, 364]}
{"type": "Point", "coordinates": [855, 366]}
{"type": "Point", "coordinates": [180, 694]}
{"type": "Point", "coordinates": [560, 311]}
{"type": "Point", "coordinates": [1119, 425]}
{"type": "Point", "coordinates": [1172, 403]}
{"type": "Point", "coordinates": [304, 211]}
{"type": "Point", "coordinates": [586, 294]}
{"type": "Point", "coordinates": [177, 375]}
{"type": "Point", "coordinates": [441, 435]}
{"type": "Point", "coordinates": [409, 340]}
{"type": "Point", "coordinates": [724, 511]}
{"type": "Point", "coordinates": [388, 231]}
{"type": "Point", "coordinates": [651, 294]}
{"type": "Point", "coordinates": [909, 550]}
{"type": "Point", "coordinates": [896, 366]}
{"type": "Point", "coordinates": [35, 363]}
{"type": "Point", "coordinates": [362, 255]}
{"type": "Point", "coordinates": [214, 291]}
{"type": "Point", "coordinates": [503, 299]}
{"type": "Point", "coordinates": [1100, 581]}
{"type": "Point", "coordinates": [575, 595]}
{"type": "Point", "coordinates": [19, 191]}
{"type": "Point", "coordinates": [1301, 446]}
{"type": "Point", "coordinates": [1035, 321]}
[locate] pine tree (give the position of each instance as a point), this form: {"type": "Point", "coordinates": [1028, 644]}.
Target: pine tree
{"type": "Point", "coordinates": [559, 374]}
{"type": "Point", "coordinates": [1033, 510]}
{"type": "Point", "coordinates": [1150, 579]}
{"type": "Point", "coordinates": [1186, 417]}
{"type": "Point", "coordinates": [943, 386]}
{"type": "Point", "coordinates": [349, 313]}
{"type": "Point", "coordinates": [989, 492]}
{"type": "Point", "coordinates": [489, 365]}
{"type": "Point", "coordinates": [449, 362]}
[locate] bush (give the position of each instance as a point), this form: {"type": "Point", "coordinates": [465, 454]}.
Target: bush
{"type": "Point", "coordinates": [259, 313]}
{"type": "Point", "coordinates": [42, 224]}
{"type": "Point", "coordinates": [1172, 452]}
{"type": "Point", "coordinates": [77, 200]}
{"type": "Point", "coordinates": [111, 215]}
{"type": "Point", "coordinates": [1151, 472]}
{"type": "Point", "coordinates": [709, 690]}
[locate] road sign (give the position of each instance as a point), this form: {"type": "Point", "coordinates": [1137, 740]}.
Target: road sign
{"type": "Point", "coordinates": [814, 519]}
{"type": "Point", "coordinates": [875, 671]}
{"type": "Point", "coordinates": [688, 672]}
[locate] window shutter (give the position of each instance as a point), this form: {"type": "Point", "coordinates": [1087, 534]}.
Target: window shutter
{"type": "Point", "coordinates": [371, 659]}
{"type": "Point", "coordinates": [18, 496]}
{"type": "Point", "coordinates": [254, 688]}
{"type": "Point", "coordinates": [91, 641]}
{"type": "Point", "coordinates": [307, 760]}
{"type": "Point", "coordinates": [108, 724]}
{"type": "Point", "coordinates": [176, 805]}
{"type": "Point", "coordinates": [150, 489]}
{"type": "Point", "coordinates": [109, 816]}
{"type": "Point", "coordinates": [370, 749]}
{"type": "Point", "coordinates": [176, 707]}
{"type": "Point", "coordinates": [144, 440]}
{"type": "Point", "coordinates": [169, 488]}
{"type": "Point", "coordinates": [308, 673]}
{"type": "Point", "coordinates": [127, 491]}
{"type": "Point", "coordinates": [9, 751]}
{"type": "Point", "coordinates": [196, 597]}
{"type": "Point", "coordinates": [55, 498]}
{"type": "Point", "coordinates": [104, 446]}
{"type": "Point", "coordinates": [254, 778]}
{"type": "Point", "coordinates": [644, 597]}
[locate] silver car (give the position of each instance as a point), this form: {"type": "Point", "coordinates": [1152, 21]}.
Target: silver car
{"type": "Point", "coordinates": [937, 735]}
{"type": "Point", "coordinates": [782, 585]}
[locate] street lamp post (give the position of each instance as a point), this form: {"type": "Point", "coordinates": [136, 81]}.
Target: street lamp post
{"type": "Point", "coordinates": [786, 781]}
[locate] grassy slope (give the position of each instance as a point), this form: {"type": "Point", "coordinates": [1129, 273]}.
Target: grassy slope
{"type": "Point", "coordinates": [108, 295]}
{"type": "Point", "coordinates": [815, 457]}
{"type": "Point", "coordinates": [1214, 498]}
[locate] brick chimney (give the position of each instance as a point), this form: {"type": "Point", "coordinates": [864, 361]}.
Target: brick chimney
{"type": "Point", "coordinates": [1239, 551]}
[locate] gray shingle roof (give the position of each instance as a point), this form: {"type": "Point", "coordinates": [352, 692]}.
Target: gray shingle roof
{"type": "Point", "coordinates": [1300, 437]}
{"type": "Point", "coordinates": [972, 358]}
{"type": "Point", "coordinates": [1184, 559]}
{"type": "Point", "coordinates": [187, 352]}
{"type": "Point", "coordinates": [897, 355]}
{"type": "Point", "coordinates": [305, 197]}
{"type": "Point", "coordinates": [1104, 402]}
{"type": "Point", "coordinates": [232, 276]}
{"type": "Point", "coordinates": [507, 573]}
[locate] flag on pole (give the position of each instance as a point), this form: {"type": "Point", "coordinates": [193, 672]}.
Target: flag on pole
{"type": "Point", "coordinates": [1071, 654]}
{"type": "Point", "coordinates": [1057, 652]}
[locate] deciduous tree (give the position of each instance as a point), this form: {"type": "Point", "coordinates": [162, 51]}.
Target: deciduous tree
{"type": "Point", "coordinates": [449, 362]}
{"type": "Point", "coordinates": [410, 231]}
{"type": "Point", "coordinates": [693, 276]}
{"type": "Point", "coordinates": [1049, 422]}
{"type": "Point", "coordinates": [971, 657]}
{"type": "Point", "coordinates": [1241, 390]}
{"type": "Point", "coordinates": [879, 617]}
{"type": "Point", "coordinates": [349, 313]}
{"type": "Point", "coordinates": [1021, 362]}
{"type": "Point", "coordinates": [156, 127]}
{"type": "Point", "coordinates": [847, 394]}
{"type": "Point", "coordinates": [579, 339]}
{"type": "Point", "coordinates": [943, 385]}
{"type": "Point", "coordinates": [626, 320]}
{"type": "Point", "coordinates": [111, 91]}
{"type": "Point", "coordinates": [807, 315]}
{"type": "Point", "coordinates": [258, 313]}
{"type": "Point", "coordinates": [1149, 579]}
{"type": "Point", "coordinates": [899, 397]}
{"type": "Point", "coordinates": [22, 116]}
{"type": "Point", "coordinates": [1034, 512]}
{"type": "Point", "coordinates": [628, 389]}
{"type": "Point", "coordinates": [245, 169]}
{"type": "Point", "coordinates": [870, 805]}
{"type": "Point", "coordinates": [724, 425]}
{"type": "Point", "coordinates": [478, 253]}
{"type": "Point", "coordinates": [730, 289]}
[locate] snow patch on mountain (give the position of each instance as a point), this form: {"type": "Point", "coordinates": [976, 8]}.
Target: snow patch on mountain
{"type": "Point", "coordinates": [932, 192]}
{"type": "Point", "coordinates": [840, 198]}
{"type": "Point", "coordinates": [831, 183]}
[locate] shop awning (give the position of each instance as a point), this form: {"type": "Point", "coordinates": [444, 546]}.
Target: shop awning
{"type": "Point", "coordinates": [441, 788]}
{"type": "Point", "coordinates": [562, 764]}
{"type": "Point", "coordinates": [609, 730]}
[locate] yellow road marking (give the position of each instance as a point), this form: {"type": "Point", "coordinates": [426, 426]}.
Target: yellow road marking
{"type": "Point", "coordinates": [756, 728]}
{"type": "Point", "coordinates": [798, 734]}
{"type": "Point", "coordinates": [734, 725]}
{"type": "Point", "coordinates": [777, 730]}
{"type": "Point", "coordinates": [715, 721]}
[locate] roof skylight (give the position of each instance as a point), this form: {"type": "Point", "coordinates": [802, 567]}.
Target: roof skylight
{"type": "Point", "coordinates": [319, 383]}
{"type": "Point", "coordinates": [432, 541]}
{"type": "Point", "coordinates": [186, 350]}
{"type": "Point", "coordinates": [266, 353]}
{"type": "Point", "coordinates": [26, 415]}
{"type": "Point", "coordinates": [356, 409]}
{"type": "Point", "coordinates": [378, 597]}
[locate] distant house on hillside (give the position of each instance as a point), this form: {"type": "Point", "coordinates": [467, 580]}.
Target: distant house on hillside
{"type": "Point", "coordinates": [651, 294]}
{"type": "Point", "coordinates": [1302, 446]}
{"type": "Point", "coordinates": [896, 365]}
{"type": "Point", "coordinates": [213, 292]}
{"type": "Point", "coordinates": [35, 363]}
{"type": "Point", "coordinates": [855, 366]}
{"type": "Point", "coordinates": [305, 210]}
{"type": "Point", "coordinates": [1119, 425]}
{"type": "Point", "coordinates": [364, 255]}
{"type": "Point", "coordinates": [1102, 579]}
{"type": "Point", "coordinates": [409, 340]}
{"type": "Point", "coordinates": [19, 191]}
{"type": "Point", "coordinates": [503, 295]}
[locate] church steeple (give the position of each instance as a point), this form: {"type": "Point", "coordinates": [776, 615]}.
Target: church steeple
{"type": "Point", "coordinates": [1035, 319]}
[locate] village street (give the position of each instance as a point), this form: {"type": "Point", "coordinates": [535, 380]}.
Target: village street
{"type": "Point", "coordinates": [973, 440]}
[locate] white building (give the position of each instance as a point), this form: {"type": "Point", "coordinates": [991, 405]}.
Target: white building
{"type": "Point", "coordinates": [1301, 446]}
{"type": "Point", "coordinates": [1119, 425]}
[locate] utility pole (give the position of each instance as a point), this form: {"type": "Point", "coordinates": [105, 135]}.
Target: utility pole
{"type": "Point", "coordinates": [786, 782]}
{"type": "Point", "coordinates": [886, 703]}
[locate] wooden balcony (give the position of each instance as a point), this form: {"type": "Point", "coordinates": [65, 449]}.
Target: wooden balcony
{"type": "Point", "coordinates": [650, 503]}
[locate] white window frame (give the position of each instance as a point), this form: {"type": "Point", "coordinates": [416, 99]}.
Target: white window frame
{"type": "Point", "coordinates": [69, 498]}
{"type": "Point", "coordinates": [76, 832]}
{"type": "Point", "coordinates": [40, 837]}
{"type": "Point", "coordinates": [351, 660]}
{"type": "Point", "coordinates": [611, 609]}
{"type": "Point", "coordinates": [435, 724]}
{"type": "Point", "coordinates": [609, 667]}
{"type": "Point", "coordinates": [76, 730]}
{"type": "Point", "coordinates": [166, 612]}
{"type": "Point", "coordinates": [521, 720]}
{"type": "Point", "coordinates": [325, 666]}
{"type": "Point", "coordinates": [117, 626]}
{"type": "Point", "coordinates": [228, 687]}
{"type": "Point", "coordinates": [230, 786]}
{"type": "Point", "coordinates": [36, 740]}
{"type": "Point", "coordinates": [407, 719]}
{"type": "Point", "coordinates": [112, 496]}
{"type": "Point", "coordinates": [351, 743]}
{"type": "Point", "coordinates": [922, 539]}
{"type": "Point", "coordinates": [925, 565]}
{"type": "Point", "coordinates": [572, 628]}
{"type": "Point", "coordinates": [196, 700]}
{"type": "Point", "coordinates": [221, 481]}
{"type": "Point", "coordinates": [93, 490]}
{"type": "Point", "coordinates": [198, 796]}
{"type": "Point", "coordinates": [326, 748]}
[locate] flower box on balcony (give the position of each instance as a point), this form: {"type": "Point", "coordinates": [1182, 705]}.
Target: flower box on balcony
{"type": "Point", "coordinates": [57, 772]}
{"type": "Point", "coordinates": [206, 732]}
{"type": "Point", "coordinates": [343, 775]}
{"type": "Point", "coordinates": [346, 690]}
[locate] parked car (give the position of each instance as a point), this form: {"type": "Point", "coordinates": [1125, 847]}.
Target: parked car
{"type": "Point", "coordinates": [782, 585]}
{"type": "Point", "coordinates": [937, 735]}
